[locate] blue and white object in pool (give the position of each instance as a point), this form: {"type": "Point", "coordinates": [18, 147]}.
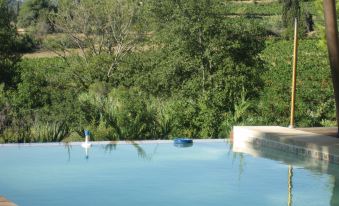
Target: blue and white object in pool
{"type": "Point", "coordinates": [183, 142]}
{"type": "Point", "coordinates": [86, 144]}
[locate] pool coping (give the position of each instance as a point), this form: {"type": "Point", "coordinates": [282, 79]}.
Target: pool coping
{"type": "Point", "coordinates": [301, 143]}
{"type": "Point", "coordinates": [107, 142]}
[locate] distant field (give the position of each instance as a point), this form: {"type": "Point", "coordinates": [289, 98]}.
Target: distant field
{"type": "Point", "coordinates": [46, 54]}
{"type": "Point", "coordinates": [263, 8]}
{"type": "Point", "coordinates": [266, 12]}
{"type": "Point", "coordinates": [39, 54]}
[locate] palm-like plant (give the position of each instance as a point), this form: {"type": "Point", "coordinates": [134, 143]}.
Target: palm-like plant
{"type": "Point", "coordinates": [49, 131]}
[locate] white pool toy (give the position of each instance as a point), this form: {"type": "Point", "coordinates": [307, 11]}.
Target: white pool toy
{"type": "Point", "coordinates": [86, 144]}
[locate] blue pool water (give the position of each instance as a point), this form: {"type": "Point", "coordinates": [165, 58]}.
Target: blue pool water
{"type": "Point", "coordinates": [160, 175]}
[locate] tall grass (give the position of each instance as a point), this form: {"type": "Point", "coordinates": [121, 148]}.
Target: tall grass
{"type": "Point", "coordinates": [49, 131]}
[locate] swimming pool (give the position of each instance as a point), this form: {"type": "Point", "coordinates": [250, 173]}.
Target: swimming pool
{"type": "Point", "coordinates": [207, 173]}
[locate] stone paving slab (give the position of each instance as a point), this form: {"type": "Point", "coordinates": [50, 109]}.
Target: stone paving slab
{"type": "Point", "coordinates": [299, 142]}
{"type": "Point", "coordinates": [327, 131]}
{"type": "Point", "coordinates": [5, 202]}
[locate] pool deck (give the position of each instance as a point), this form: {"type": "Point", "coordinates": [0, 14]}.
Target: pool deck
{"type": "Point", "coordinates": [5, 202]}
{"type": "Point", "coordinates": [315, 143]}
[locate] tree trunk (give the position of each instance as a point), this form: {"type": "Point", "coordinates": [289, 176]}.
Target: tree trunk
{"type": "Point", "coordinates": [333, 48]}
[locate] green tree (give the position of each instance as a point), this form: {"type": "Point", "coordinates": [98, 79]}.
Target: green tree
{"type": "Point", "coordinates": [34, 13]}
{"type": "Point", "coordinates": [291, 9]}
{"type": "Point", "coordinates": [120, 113]}
{"type": "Point", "coordinates": [314, 98]}
{"type": "Point", "coordinates": [104, 32]}
{"type": "Point", "coordinates": [205, 58]}
{"type": "Point", "coordinates": [4, 108]}
{"type": "Point", "coordinates": [9, 55]}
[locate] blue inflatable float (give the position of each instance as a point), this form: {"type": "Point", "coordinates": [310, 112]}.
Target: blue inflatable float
{"type": "Point", "coordinates": [183, 142]}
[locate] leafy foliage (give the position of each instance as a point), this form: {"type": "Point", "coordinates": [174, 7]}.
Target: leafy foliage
{"type": "Point", "coordinates": [314, 102]}
{"type": "Point", "coordinates": [34, 14]}
{"type": "Point", "coordinates": [261, 8]}
{"type": "Point", "coordinates": [205, 59]}
{"type": "Point", "coordinates": [292, 10]}
{"type": "Point", "coordinates": [9, 54]}
{"type": "Point", "coordinates": [110, 28]}
{"type": "Point", "coordinates": [49, 132]}
{"type": "Point", "coordinates": [161, 69]}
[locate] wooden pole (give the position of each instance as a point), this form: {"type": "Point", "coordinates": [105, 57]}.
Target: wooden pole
{"type": "Point", "coordinates": [294, 73]}
{"type": "Point", "coordinates": [333, 48]}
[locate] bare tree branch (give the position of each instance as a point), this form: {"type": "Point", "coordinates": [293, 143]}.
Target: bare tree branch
{"type": "Point", "coordinates": [100, 27]}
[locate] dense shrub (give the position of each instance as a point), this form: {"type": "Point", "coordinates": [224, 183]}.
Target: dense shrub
{"type": "Point", "coordinates": [196, 74]}
{"type": "Point", "coordinates": [9, 44]}
{"type": "Point", "coordinates": [314, 98]}
{"type": "Point", "coordinates": [44, 99]}
{"type": "Point", "coordinates": [120, 113]}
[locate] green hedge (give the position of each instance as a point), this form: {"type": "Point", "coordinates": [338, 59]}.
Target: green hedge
{"type": "Point", "coordinates": [314, 98]}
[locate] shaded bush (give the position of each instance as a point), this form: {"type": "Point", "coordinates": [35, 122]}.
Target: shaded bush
{"type": "Point", "coordinates": [49, 131]}
{"type": "Point", "coordinates": [314, 98]}
{"type": "Point", "coordinates": [126, 111]}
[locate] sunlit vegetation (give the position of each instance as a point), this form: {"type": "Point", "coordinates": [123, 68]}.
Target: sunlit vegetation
{"type": "Point", "coordinates": [131, 70]}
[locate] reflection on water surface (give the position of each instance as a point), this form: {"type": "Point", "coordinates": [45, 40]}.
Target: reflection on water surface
{"type": "Point", "coordinates": [158, 174]}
